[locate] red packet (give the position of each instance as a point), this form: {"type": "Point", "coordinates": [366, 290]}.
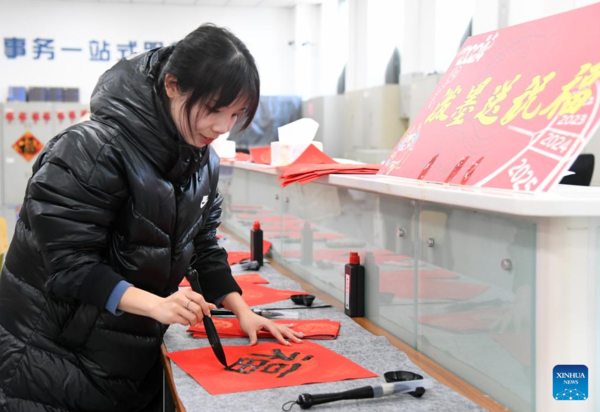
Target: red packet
{"type": "Point", "coordinates": [265, 366]}
{"type": "Point", "coordinates": [261, 155]}
{"type": "Point", "coordinates": [318, 329]}
{"type": "Point", "coordinates": [261, 295]}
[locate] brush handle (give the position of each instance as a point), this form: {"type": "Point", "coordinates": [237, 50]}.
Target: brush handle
{"type": "Point", "coordinates": [307, 400]}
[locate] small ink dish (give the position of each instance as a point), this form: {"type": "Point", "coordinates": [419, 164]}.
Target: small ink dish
{"type": "Point", "coordinates": [402, 376]}
{"type": "Point", "coordinates": [305, 300]}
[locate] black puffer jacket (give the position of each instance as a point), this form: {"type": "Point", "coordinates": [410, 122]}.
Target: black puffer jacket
{"type": "Point", "coordinates": [114, 198]}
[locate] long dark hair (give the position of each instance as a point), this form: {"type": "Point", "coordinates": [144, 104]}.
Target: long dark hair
{"type": "Point", "coordinates": [217, 69]}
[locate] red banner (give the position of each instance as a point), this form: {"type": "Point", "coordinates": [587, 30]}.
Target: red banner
{"type": "Point", "coordinates": [266, 366]}
{"type": "Point", "coordinates": [514, 109]}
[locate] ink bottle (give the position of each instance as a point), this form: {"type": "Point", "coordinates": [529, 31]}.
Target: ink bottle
{"type": "Point", "coordinates": [354, 287]}
{"type": "Point", "coordinates": [256, 243]}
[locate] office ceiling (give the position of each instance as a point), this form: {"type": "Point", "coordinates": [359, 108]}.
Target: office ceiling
{"type": "Point", "coordinates": [218, 3]}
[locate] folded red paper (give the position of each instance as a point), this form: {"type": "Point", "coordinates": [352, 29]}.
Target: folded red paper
{"type": "Point", "coordinates": [318, 329]}
{"type": "Point", "coordinates": [304, 173]}
{"type": "Point", "coordinates": [266, 366]}
{"type": "Point", "coordinates": [261, 295]}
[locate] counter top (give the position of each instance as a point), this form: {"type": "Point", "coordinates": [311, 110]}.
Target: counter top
{"type": "Point", "coordinates": [563, 201]}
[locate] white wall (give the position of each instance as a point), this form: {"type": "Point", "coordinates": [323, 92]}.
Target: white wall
{"type": "Point", "coordinates": [266, 32]}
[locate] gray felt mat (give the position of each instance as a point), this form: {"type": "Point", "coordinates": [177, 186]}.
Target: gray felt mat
{"type": "Point", "coordinates": [355, 343]}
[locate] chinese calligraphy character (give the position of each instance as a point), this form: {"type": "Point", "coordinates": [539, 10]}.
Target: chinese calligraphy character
{"type": "Point", "coordinates": [43, 46]}
{"type": "Point", "coordinates": [492, 106]}
{"type": "Point", "coordinates": [152, 44]}
{"type": "Point", "coordinates": [470, 101]}
{"type": "Point", "coordinates": [570, 102]}
{"type": "Point", "coordinates": [249, 365]}
{"type": "Point", "coordinates": [439, 113]}
{"type": "Point", "coordinates": [127, 49]}
{"type": "Point", "coordinates": [522, 103]}
{"type": "Point", "coordinates": [98, 53]}
{"type": "Point", "coordinates": [14, 47]}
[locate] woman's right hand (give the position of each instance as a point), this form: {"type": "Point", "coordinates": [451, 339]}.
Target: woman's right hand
{"type": "Point", "coordinates": [185, 307]}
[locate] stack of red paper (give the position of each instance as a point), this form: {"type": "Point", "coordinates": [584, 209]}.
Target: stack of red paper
{"type": "Point", "coordinates": [313, 163]}
{"type": "Point", "coordinates": [322, 329]}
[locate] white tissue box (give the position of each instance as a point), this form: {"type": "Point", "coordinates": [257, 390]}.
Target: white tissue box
{"type": "Point", "coordinates": [224, 148]}
{"type": "Point", "coordinates": [282, 154]}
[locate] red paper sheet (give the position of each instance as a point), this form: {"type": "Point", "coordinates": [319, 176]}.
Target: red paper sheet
{"type": "Point", "coordinates": [432, 289]}
{"type": "Point", "coordinates": [237, 257]}
{"type": "Point", "coordinates": [312, 155]}
{"type": "Point", "coordinates": [261, 295]}
{"type": "Point", "coordinates": [247, 278]}
{"type": "Point", "coordinates": [266, 366]}
{"type": "Point", "coordinates": [261, 155]}
{"type": "Point", "coordinates": [312, 329]}
{"type": "Point", "coordinates": [304, 173]}
{"type": "Point", "coordinates": [253, 278]}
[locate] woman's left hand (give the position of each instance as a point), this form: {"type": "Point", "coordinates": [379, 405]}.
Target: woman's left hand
{"type": "Point", "coordinates": [251, 323]}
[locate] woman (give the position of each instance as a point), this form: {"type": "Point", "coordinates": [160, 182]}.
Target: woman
{"type": "Point", "coordinates": [117, 209]}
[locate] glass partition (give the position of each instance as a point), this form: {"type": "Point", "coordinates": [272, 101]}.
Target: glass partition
{"type": "Point", "coordinates": [457, 285]}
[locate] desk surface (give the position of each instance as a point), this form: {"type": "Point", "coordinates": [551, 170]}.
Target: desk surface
{"type": "Point", "coordinates": [355, 343]}
{"type": "Point", "coordinates": [562, 201]}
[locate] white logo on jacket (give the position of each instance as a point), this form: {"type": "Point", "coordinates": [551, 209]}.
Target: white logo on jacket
{"type": "Point", "coordinates": [204, 200]}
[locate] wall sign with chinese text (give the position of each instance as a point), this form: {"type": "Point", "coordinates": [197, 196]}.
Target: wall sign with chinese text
{"type": "Point", "coordinates": [28, 146]}
{"type": "Point", "coordinates": [266, 366]}
{"type": "Point", "coordinates": [514, 109]}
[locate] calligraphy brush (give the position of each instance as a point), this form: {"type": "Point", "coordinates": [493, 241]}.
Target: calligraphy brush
{"type": "Point", "coordinates": [418, 387]}
{"type": "Point", "coordinates": [209, 326]}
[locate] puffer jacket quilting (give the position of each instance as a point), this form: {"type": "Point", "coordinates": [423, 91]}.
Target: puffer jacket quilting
{"type": "Point", "coordinates": [115, 198]}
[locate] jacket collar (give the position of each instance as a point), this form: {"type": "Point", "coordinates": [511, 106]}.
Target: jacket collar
{"type": "Point", "coordinates": [128, 96]}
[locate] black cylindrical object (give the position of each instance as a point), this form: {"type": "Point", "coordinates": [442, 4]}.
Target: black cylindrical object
{"type": "Point", "coordinates": [307, 400]}
{"type": "Point", "coordinates": [307, 245]}
{"type": "Point", "coordinates": [256, 243]}
{"type": "Point", "coordinates": [354, 287]}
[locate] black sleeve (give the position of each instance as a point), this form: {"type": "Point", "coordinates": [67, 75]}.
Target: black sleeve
{"type": "Point", "coordinates": [71, 204]}
{"type": "Point", "coordinates": [211, 263]}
